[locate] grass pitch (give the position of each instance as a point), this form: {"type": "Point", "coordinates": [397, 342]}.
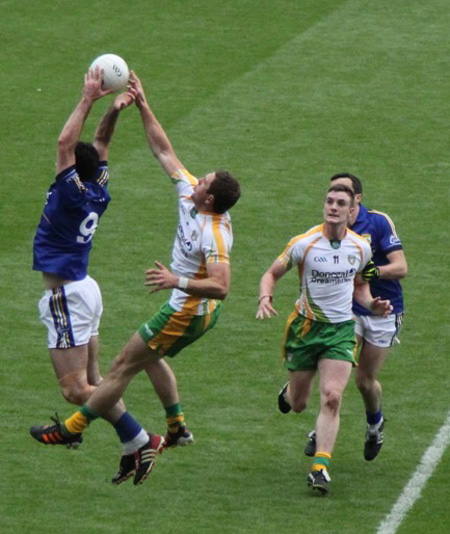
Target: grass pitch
{"type": "Point", "coordinates": [284, 94]}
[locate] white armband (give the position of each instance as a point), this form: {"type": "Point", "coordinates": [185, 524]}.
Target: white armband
{"type": "Point", "coordinates": [183, 282]}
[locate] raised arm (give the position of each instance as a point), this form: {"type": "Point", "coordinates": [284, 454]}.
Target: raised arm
{"type": "Point", "coordinates": [105, 129]}
{"type": "Point", "coordinates": [70, 134]}
{"type": "Point", "coordinates": [266, 289]}
{"type": "Point", "coordinates": [156, 136]}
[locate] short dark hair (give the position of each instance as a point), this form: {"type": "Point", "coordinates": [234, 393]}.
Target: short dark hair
{"type": "Point", "coordinates": [341, 188]}
{"type": "Point", "coordinates": [86, 161]}
{"type": "Point", "coordinates": [226, 191]}
{"type": "Point", "coordinates": [356, 182]}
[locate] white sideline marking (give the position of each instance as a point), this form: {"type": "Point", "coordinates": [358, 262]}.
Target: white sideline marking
{"type": "Point", "coordinates": [413, 488]}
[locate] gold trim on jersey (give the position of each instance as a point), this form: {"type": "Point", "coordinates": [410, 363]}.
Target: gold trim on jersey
{"type": "Point", "coordinates": [309, 313]}
{"type": "Point", "coordinates": [389, 220]}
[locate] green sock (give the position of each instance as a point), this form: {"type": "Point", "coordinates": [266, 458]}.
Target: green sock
{"type": "Point", "coordinates": [174, 417]}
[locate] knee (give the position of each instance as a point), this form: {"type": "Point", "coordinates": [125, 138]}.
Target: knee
{"type": "Point", "coordinates": [76, 392]}
{"type": "Point", "coordinates": [298, 405]}
{"type": "Point", "coordinates": [332, 400]}
{"type": "Point", "coordinates": [95, 382]}
{"type": "Point", "coordinates": [364, 383]}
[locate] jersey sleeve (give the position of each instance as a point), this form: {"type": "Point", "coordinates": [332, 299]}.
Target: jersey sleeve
{"type": "Point", "coordinates": [217, 240]}
{"type": "Point", "coordinates": [292, 254]}
{"type": "Point", "coordinates": [184, 182]}
{"type": "Point", "coordinates": [70, 188]}
{"type": "Point", "coordinates": [103, 174]}
{"type": "Point", "coordinates": [366, 255]}
{"type": "Point", "coordinates": [387, 236]}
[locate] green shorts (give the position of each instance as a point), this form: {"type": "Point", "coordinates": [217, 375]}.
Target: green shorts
{"type": "Point", "coordinates": [307, 341]}
{"type": "Point", "coordinates": [169, 331]}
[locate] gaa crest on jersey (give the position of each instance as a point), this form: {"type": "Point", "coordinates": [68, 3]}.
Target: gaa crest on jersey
{"type": "Point", "coordinates": [351, 259]}
{"type": "Point", "coordinates": [194, 235]}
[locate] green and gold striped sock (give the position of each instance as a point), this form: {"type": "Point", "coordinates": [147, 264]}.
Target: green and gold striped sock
{"type": "Point", "coordinates": [79, 421]}
{"type": "Point", "coordinates": [174, 417]}
{"type": "Point", "coordinates": [321, 461]}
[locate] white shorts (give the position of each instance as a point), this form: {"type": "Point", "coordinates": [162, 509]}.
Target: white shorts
{"type": "Point", "coordinates": [379, 331]}
{"type": "Point", "coordinates": [71, 313]}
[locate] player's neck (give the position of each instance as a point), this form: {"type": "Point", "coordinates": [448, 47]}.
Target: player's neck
{"type": "Point", "coordinates": [334, 232]}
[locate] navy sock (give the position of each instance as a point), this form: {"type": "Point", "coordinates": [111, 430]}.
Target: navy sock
{"type": "Point", "coordinates": [127, 428]}
{"type": "Point", "coordinates": [374, 418]}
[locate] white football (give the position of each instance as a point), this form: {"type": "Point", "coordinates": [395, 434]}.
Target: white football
{"type": "Point", "coordinates": [115, 71]}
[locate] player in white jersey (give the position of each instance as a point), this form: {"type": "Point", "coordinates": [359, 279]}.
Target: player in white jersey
{"type": "Point", "coordinates": [199, 277]}
{"type": "Point", "coordinates": [320, 333]}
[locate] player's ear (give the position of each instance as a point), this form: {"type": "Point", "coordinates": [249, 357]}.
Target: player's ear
{"type": "Point", "coordinates": [210, 201]}
{"type": "Point", "coordinates": [352, 211]}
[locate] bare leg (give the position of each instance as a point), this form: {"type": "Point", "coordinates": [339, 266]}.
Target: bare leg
{"type": "Point", "coordinates": [299, 389]}
{"type": "Point", "coordinates": [131, 360]}
{"type": "Point", "coordinates": [94, 378]}
{"type": "Point", "coordinates": [163, 380]}
{"type": "Point", "coordinates": [77, 371]}
{"type": "Point", "coordinates": [371, 360]}
{"type": "Point", "coordinates": [334, 376]}
{"type": "Point", "coordinates": [70, 367]}
{"type": "Point", "coordinates": [93, 369]}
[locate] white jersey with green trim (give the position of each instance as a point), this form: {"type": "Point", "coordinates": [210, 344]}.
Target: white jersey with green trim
{"type": "Point", "coordinates": [201, 239]}
{"type": "Point", "coordinates": [326, 270]}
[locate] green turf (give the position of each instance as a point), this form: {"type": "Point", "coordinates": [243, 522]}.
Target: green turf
{"type": "Point", "coordinates": [284, 94]}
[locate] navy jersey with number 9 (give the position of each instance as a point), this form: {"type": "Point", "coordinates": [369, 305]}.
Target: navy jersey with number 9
{"type": "Point", "coordinates": [64, 236]}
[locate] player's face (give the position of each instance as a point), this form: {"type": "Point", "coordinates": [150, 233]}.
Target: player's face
{"type": "Point", "coordinates": [202, 199]}
{"type": "Point", "coordinates": [348, 183]}
{"type": "Point", "coordinates": [337, 208]}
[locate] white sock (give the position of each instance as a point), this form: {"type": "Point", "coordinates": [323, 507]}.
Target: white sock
{"type": "Point", "coordinates": [374, 428]}
{"type": "Point", "coordinates": [136, 443]}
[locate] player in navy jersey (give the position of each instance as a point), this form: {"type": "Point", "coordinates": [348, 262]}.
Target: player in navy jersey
{"type": "Point", "coordinates": [71, 306]}
{"type": "Point", "coordinates": [375, 335]}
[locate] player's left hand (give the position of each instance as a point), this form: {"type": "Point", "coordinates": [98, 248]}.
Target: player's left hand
{"type": "Point", "coordinates": [160, 278]}
{"type": "Point", "coordinates": [370, 272]}
{"type": "Point", "coordinates": [380, 307]}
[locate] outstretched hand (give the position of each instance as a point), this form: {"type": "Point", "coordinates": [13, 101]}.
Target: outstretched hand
{"type": "Point", "coordinates": [265, 308]}
{"type": "Point", "coordinates": [160, 278]}
{"type": "Point", "coordinates": [136, 86]}
{"type": "Point", "coordinates": [125, 99]}
{"type": "Point", "coordinates": [93, 80]}
{"type": "Point", "coordinates": [380, 307]}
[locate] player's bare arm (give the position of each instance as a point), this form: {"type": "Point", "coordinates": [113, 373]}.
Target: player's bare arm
{"type": "Point", "coordinates": [157, 139]}
{"type": "Point", "coordinates": [71, 131]}
{"type": "Point", "coordinates": [363, 296]}
{"type": "Point", "coordinates": [397, 267]}
{"type": "Point", "coordinates": [105, 129]}
{"type": "Point", "coordinates": [266, 289]}
{"type": "Point", "coordinates": [215, 286]}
